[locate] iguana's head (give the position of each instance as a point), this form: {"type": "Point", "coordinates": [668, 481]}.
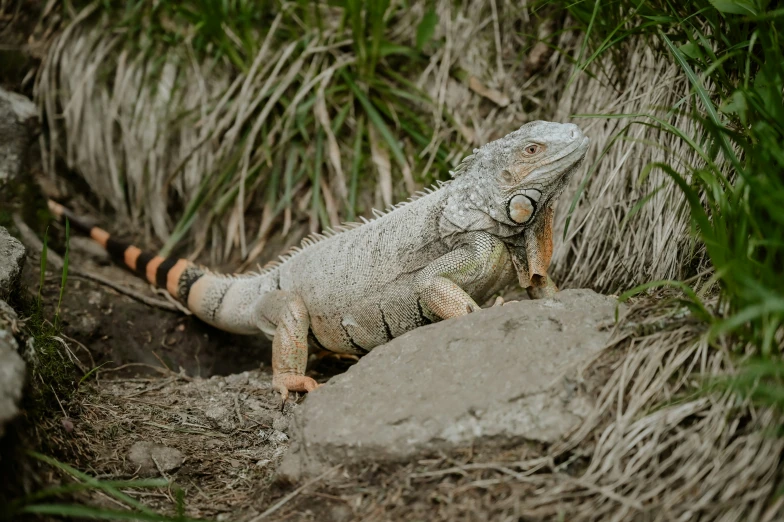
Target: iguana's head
{"type": "Point", "coordinates": [503, 186]}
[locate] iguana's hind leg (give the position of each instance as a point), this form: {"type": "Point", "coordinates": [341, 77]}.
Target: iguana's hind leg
{"type": "Point", "coordinates": [290, 343]}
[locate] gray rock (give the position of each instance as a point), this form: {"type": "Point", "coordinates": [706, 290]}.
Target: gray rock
{"type": "Point", "coordinates": [149, 459]}
{"type": "Point", "coordinates": [17, 117]}
{"type": "Point", "coordinates": [506, 374]}
{"type": "Point", "coordinates": [12, 256]}
{"type": "Point", "coordinates": [12, 367]}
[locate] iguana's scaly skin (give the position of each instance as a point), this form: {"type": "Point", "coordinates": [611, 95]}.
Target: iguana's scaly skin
{"type": "Point", "coordinates": [429, 259]}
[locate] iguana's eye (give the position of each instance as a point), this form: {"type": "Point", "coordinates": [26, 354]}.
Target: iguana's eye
{"type": "Point", "coordinates": [532, 149]}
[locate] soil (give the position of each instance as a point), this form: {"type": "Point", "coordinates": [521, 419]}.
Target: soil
{"type": "Point", "coordinates": [120, 331]}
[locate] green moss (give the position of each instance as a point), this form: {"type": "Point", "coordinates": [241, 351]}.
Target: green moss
{"type": "Point", "coordinates": [53, 377]}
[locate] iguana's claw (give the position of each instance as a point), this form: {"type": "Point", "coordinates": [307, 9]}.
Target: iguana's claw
{"type": "Point", "coordinates": [298, 383]}
{"type": "Point", "coordinates": [499, 301]}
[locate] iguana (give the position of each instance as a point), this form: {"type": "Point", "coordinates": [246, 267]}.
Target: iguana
{"type": "Point", "coordinates": [431, 258]}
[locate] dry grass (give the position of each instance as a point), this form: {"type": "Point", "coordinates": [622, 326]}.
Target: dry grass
{"type": "Point", "coordinates": [605, 249]}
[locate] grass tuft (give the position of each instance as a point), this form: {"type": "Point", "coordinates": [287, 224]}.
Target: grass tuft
{"type": "Point", "coordinates": [732, 56]}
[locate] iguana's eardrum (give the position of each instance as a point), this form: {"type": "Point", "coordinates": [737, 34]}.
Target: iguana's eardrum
{"type": "Point", "coordinates": [425, 260]}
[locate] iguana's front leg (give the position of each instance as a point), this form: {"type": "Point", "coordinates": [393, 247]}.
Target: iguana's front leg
{"type": "Point", "coordinates": [290, 343]}
{"type": "Point", "coordinates": [441, 284]}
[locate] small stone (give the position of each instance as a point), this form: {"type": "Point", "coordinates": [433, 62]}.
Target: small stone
{"type": "Point", "coordinates": [151, 459]}
{"type": "Point", "coordinates": [340, 513]}
{"type": "Point", "coordinates": [9, 320]}
{"type": "Point", "coordinates": [221, 417]}
{"type": "Point", "coordinates": [68, 425]}
{"type": "Point", "coordinates": [237, 379]}
{"type": "Point", "coordinates": [278, 437]}
{"type": "Point", "coordinates": [273, 436]}
{"type": "Point", "coordinates": [86, 324]}
{"type": "Point", "coordinates": [216, 412]}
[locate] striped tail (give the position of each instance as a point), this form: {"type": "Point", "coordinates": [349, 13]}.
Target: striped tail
{"type": "Point", "coordinates": [175, 275]}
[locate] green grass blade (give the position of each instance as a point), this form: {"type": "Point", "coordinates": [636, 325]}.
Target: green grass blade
{"type": "Point", "coordinates": [78, 511]}
{"type": "Point", "coordinates": [76, 487]}
{"type": "Point", "coordinates": [64, 275]}
{"type": "Point", "coordinates": [91, 372]}
{"type": "Point", "coordinates": [696, 303]}
{"type": "Point", "coordinates": [702, 93]}
{"type": "Point", "coordinates": [377, 120]}
{"type": "Point", "coordinates": [97, 484]}
{"type": "Point", "coordinates": [44, 253]}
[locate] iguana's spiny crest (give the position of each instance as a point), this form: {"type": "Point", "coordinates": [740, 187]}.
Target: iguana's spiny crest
{"type": "Point", "coordinates": [502, 187]}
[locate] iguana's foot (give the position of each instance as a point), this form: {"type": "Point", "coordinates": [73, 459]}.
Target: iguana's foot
{"type": "Point", "coordinates": [283, 384]}
{"type": "Point", "coordinates": [542, 287]}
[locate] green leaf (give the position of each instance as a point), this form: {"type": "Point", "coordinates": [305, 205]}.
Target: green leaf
{"type": "Point", "coordinates": [734, 7]}
{"type": "Point", "coordinates": [377, 120]}
{"type": "Point", "coordinates": [661, 19]}
{"type": "Point", "coordinates": [696, 304]}
{"type": "Point", "coordinates": [735, 104]}
{"type": "Point", "coordinates": [387, 48]}
{"type": "Point", "coordinates": [703, 95]}
{"type": "Point", "coordinates": [64, 276]}
{"type": "Point", "coordinates": [692, 49]}
{"type": "Point", "coordinates": [356, 166]}
{"type": "Point", "coordinates": [88, 374]}
{"type": "Point", "coordinates": [44, 251]}
{"type": "Point", "coordinates": [426, 29]}
{"type": "Point", "coordinates": [74, 487]}
{"type": "Point", "coordinates": [106, 487]}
